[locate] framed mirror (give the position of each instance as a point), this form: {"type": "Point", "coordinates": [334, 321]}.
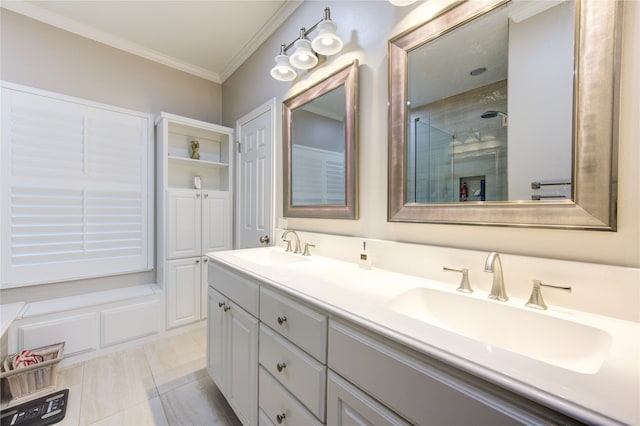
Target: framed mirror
{"type": "Point", "coordinates": [505, 113]}
{"type": "Point", "coordinates": [320, 139]}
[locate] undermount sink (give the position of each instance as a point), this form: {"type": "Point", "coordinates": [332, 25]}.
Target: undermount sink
{"type": "Point", "coordinates": [270, 257]}
{"type": "Point", "coordinates": [538, 335]}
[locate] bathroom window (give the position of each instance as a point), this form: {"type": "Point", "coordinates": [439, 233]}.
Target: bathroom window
{"type": "Point", "coordinates": [76, 189]}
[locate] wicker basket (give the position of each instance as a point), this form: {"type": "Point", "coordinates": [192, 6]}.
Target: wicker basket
{"type": "Point", "coordinates": [37, 378]}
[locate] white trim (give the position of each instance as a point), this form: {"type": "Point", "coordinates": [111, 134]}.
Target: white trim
{"type": "Point", "coordinates": [270, 107]}
{"type": "Point", "coordinates": [40, 14]}
{"type": "Point", "coordinates": [260, 37]}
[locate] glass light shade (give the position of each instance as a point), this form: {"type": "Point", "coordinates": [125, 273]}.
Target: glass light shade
{"type": "Point", "coordinates": [303, 57]}
{"type": "Point", "coordinates": [283, 70]}
{"type": "Point", "coordinates": [327, 42]}
{"type": "Point", "coordinates": [401, 2]}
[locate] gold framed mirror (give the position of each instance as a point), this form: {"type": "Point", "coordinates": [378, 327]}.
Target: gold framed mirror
{"type": "Point", "coordinates": [469, 169]}
{"type": "Point", "coordinates": [320, 140]}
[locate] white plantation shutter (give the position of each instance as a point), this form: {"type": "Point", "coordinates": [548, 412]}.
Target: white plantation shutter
{"type": "Point", "coordinates": [318, 176]}
{"type": "Point", "coordinates": [76, 198]}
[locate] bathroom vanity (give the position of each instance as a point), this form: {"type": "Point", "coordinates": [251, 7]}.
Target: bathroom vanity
{"type": "Point", "coordinates": [298, 339]}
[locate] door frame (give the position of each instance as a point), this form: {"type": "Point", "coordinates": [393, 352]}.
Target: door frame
{"type": "Point", "coordinates": [270, 107]}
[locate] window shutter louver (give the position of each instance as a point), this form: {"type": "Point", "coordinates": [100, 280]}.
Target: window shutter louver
{"type": "Point", "coordinates": [75, 189]}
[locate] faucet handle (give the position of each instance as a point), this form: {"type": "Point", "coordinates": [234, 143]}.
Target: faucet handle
{"type": "Point", "coordinates": [465, 285]}
{"type": "Point", "coordinates": [535, 300]}
{"type": "Point", "coordinates": [288, 245]}
{"type": "Point", "coordinates": [306, 249]}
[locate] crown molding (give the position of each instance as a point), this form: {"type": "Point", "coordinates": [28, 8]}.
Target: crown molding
{"type": "Point", "coordinates": [32, 11]}
{"type": "Point", "coordinates": [287, 8]}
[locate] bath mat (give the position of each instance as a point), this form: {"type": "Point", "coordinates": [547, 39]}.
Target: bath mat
{"type": "Point", "coordinates": [45, 410]}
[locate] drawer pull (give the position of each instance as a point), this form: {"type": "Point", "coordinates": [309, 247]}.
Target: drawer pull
{"type": "Point", "coordinates": [282, 319]}
{"type": "Point", "coordinates": [281, 366]}
{"type": "Point", "coordinates": [221, 304]}
{"type": "Point", "coordinates": [280, 418]}
{"type": "Point", "coordinates": [226, 308]}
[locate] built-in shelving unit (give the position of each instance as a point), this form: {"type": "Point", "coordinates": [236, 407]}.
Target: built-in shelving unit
{"type": "Point", "coordinates": [194, 210]}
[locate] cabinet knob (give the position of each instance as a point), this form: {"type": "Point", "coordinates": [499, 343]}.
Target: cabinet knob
{"type": "Point", "coordinates": [198, 195]}
{"type": "Point", "coordinates": [280, 418]}
{"type": "Point", "coordinates": [226, 308]}
{"type": "Point", "coordinates": [264, 239]}
{"type": "Point", "coordinates": [281, 366]}
{"type": "Point", "coordinates": [206, 195]}
{"type": "Point", "coordinates": [198, 261]}
{"type": "Point", "coordinates": [205, 260]}
{"type": "Point", "coordinates": [221, 304]}
{"type": "Point", "coordinates": [282, 319]}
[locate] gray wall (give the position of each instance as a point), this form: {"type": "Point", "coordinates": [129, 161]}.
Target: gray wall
{"type": "Point", "coordinates": [366, 27]}
{"type": "Point", "coordinates": [45, 57]}
{"type": "Point", "coordinates": [39, 55]}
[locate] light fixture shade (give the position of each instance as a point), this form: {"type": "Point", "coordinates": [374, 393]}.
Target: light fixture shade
{"type": "Point", "coordinates": [303, 57]}
{"type": "Point", "coordinates": [402, 2]}
{"type": "Point", "coordinates": [327, 41]}
{"type": "Point", "coordinates": [283, 70]}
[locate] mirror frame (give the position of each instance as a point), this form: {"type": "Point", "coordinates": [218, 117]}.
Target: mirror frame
{"type": "Point", "coordinates": [595, 127]}
{"type": "Point", "coordinates": [347, 76]}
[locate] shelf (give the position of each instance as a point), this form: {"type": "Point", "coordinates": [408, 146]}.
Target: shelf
{"type": "Point", "coordinates": [193, 162]}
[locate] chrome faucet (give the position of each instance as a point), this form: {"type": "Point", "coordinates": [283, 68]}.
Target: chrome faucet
{"type": "Point", "coordinates": [297, 247]}
{"type": "Point", "coordinates": [493, 264]}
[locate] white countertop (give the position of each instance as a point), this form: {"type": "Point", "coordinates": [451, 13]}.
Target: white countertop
{"type": "Point", "coordinates": [612, 394]}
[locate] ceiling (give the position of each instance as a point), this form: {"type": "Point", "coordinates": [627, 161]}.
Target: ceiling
{"type": "Point", "coordinates": [206, 38]}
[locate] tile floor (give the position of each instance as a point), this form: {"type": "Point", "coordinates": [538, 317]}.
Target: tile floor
{"type": "Point", "coordinates": [163, 382]}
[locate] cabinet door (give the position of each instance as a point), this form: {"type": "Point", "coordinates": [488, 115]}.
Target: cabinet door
{"type": "Point", "coordinates": [216, 338]}
{"type": "Point", "coordinates": [183, 291]}
{"type": "Point", "coordinates": [204, 286]}
{"type": "Point", "coordinates": [347, 405]}
{"type": "Point", "coordinates": [184, 217]}
{"type": "Point", "coordinates": [216, 221]}
{"type": "Point", "coordinates": [242, 389]}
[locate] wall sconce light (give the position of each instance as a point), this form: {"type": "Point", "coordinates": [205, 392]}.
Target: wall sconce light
{"type": "Point", "coordinates": [305, 54]}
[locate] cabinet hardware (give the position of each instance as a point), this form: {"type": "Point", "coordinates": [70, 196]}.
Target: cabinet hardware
{"type": "Point", "coordinates": [282, 319]}
{"type": "Point", "coordinates": [265, 239]}
{"type": "Point", "coordinates": [281, 366]}
{"type": "Point", "coordinates": [226, 308]}
{"type": "Point", "coordinates": [221, 304]}
{"type": "Point", "coordinates": [198, 195]}
{"type": "Point", "coordinates": [205, 260]}
{"type": "Point", "coordinates": [198, 261]}
{"type": "Point", "coordinates": [280, 418]}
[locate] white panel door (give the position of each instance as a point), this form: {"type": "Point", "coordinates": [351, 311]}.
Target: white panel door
{"type": "Point", "coordinates": [184, 213]}
{"type": "Point", "coordinates": [217, 228]}
{"type": "Point", "coordinates": [242, 390]}
{"type": "Point", "coordinates": [183, 291]}
{"type": "Point", "coordinates": [255, 178]}
{"type": "Point", "coordinates": [216, 339]}
{"type": "Point", "coordinates": [80, 334]}
{"type": "Point", "coordinates": [204, 287]}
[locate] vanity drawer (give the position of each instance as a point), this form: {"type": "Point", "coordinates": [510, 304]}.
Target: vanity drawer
{"type": "Point", "coordinates": [422, 392]}
{"type": "Point", "coordinates": [303, 326]}
{"type": "Point", "coordinates": [244, 291]}
{"type": "Point", "coordinates": [280, 406]}
{"type": "Point", "coordinates": [302, 375]}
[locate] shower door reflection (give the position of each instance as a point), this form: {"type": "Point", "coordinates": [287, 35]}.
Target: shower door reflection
{"type": "Point", "coordinates": [429, 177]}
{"type": "Point", "coordinates": [461, 167]}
